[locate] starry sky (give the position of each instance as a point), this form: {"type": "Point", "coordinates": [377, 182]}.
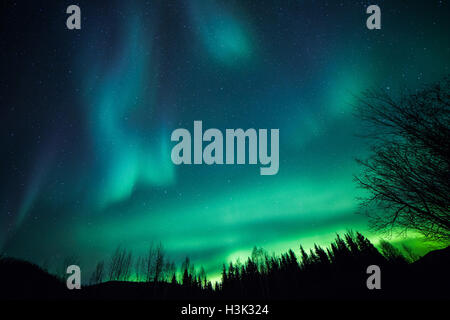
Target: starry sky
{"type": "Point", "coordinates": [87, 116]}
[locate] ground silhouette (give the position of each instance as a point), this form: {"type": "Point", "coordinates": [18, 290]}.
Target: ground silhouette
{"type": "Point", "coordinates": [335, 272]}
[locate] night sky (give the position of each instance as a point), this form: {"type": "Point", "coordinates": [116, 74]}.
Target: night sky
{"type": "Point", "coordinates": [86, 119]}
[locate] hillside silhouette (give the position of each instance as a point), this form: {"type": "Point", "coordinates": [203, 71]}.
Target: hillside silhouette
{"type": "Point", "coordinates": [23, 280]}
{"type": "Point", "coordinates": [335, 272]}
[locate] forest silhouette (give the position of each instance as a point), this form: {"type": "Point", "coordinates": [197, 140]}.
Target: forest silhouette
{"type": "Point", "coordinates": [335, 272]}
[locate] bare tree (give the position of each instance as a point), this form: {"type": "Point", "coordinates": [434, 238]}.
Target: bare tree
{"type": "Point", "coordinates": [97, 275]}
{"type": "Point", "coordinates": [128, 266]}
{"type": "Point", "coordinates": [150, 263]}
{"type": "Point", "coordinates": [120, 265]}
{"type": "Point", "coordinates": [407, 174]}
{"type": "Point", "coordinates": [159, 263]}
{"type": "Point", "coordinates": [140, 268]}
{"type": "Point", "coordinates": [153, 267]}
{"type": "Point", "coordinates": [115, 265]}
{"type": "Point", "coordinates": [170, 271]}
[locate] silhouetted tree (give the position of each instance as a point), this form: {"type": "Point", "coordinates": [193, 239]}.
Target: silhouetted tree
{"type": "Point", "coordinates": [224, 285]}
{"type": "Point", "coordinates": [305, 262]}
{"type": "Point", "coordinates": [202, 277]}
{"type": "Point", "coordinates": [407, 174]}
{"type": "Point", "coordinates": [174, 279]}
{"type": "Point", "coordinates": [187, 277]}
{"type": "Point", "coordinates": [139, 268]}
{"type": "Point", "coordinates": [120, 265]}
{"type": "Point", "coordinates": [170, 270]}
{"type": "Point", "coordinates": [391, 253]}
{"type": "Point", "coordinates": [159, 263]}
{"type": "Point", "coordinates": [149, 263]}
{"type": "Point", "coordinates": [97, 275]}
{"type": "Point", "coordinates": [412, 256]}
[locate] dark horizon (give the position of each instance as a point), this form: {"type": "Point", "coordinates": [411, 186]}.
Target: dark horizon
{"type": "Point", "coordinates": [335, 272]}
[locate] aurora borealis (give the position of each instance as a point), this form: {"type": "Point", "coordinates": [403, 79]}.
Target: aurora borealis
{"type": "Point", "coordinates": [87, 117]}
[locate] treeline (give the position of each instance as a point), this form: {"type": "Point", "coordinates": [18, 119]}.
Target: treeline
{"type": "Point", "coordinates": [321, 272]}
{"type": "Point", "coordinates": [318, 272]}
{"type": "Point", "coordinates": [336, 271]}
{"type": "Point", "coordinates": [123, 266]}
{"type": "Point", "coordinates": [154, 267]}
